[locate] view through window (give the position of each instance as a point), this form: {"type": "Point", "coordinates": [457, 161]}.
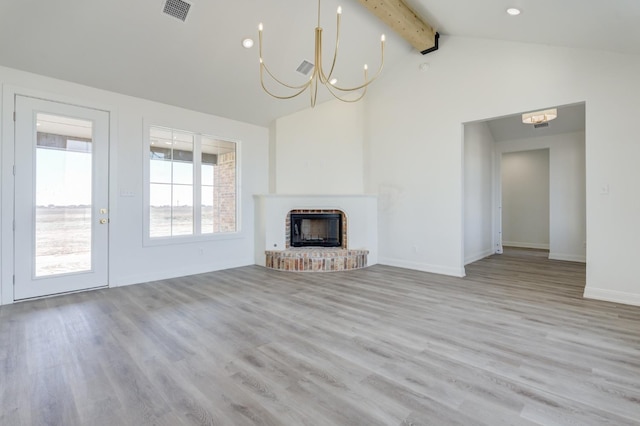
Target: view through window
{"type": "Point", "coordinates": [192, 184]}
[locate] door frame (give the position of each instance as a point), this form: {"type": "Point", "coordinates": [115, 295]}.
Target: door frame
{"type": "Point", "coordinates": [7, 153]}
{"type": "Point", "coordinates": [498, 211]}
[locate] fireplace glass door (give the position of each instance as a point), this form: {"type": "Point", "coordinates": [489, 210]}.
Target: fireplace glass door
{"type": "Point", "coordinates": [316, 230]}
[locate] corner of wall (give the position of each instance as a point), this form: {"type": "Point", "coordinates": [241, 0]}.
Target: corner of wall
{"type": "Point", "coordinates": [567, 257]}
{"type": "Point", "coordinates": [474, 257]}
{"type": "Point", "coordinates": [612, 296]}
{"type": "Point", "coordinates": [272, 157]}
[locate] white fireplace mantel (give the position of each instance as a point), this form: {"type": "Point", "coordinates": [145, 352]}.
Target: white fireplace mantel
{"type": "Point", "coordinates": [272, 209]}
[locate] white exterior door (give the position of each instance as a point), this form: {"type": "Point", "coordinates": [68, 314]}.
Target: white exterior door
{"type": "Point", "coordinates": [61, 198]}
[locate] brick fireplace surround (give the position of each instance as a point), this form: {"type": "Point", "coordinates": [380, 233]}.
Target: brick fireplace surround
{"type": "Point", "coordinates": [316, 259]}
{"type": "Point", "coordinates": [359, 228]}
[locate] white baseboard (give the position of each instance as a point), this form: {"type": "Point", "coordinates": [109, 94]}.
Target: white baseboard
{"type": "Point", "coordinates": [568, 257]}
{"type": "Point", "coordinates": [424, 267]}
{"type": "Point", "coordinates": [525, 245]}
{"type": "Point", "coordinates": [176, 273]}
{"type": "Point", "coordinates": [621, 297]}
{"type": "Point", "coordinates": [478, 255]}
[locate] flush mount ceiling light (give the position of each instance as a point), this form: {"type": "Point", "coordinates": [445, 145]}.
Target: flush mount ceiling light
{"type": "Point", "coordinates": [513, 11]}
{"type": "Point", "coordinates": [540, 116]}
{"type": "Point", "coordinates": [318, 76]}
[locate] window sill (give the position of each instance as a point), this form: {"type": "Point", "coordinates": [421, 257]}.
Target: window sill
{"type": "Point", "coordinates": [192, 239]}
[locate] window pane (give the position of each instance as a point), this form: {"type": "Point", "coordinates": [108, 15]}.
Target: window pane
{"type": "Point", "coordinates": [172, 163]}
{"type": "Point", "coordinates": [207, 174]}
{"type": "Point", "coordinates": [182, 154]}
{"type": "Point", "coordinates": [225, 210]}
{"type": "Point", "coordinates": [182, 146]}
{"type": "Point", "coordinates": [225, 173]}
{"type": "Point", "coordinates": [206, 209]}
{"type": "Point", "coordinates": [160, 171]}
{"type": "Point", "coordinates": [210, 146]}
{"type": "Point", "coordinates": [182, 210]}
{"type": "Point", "coordinates": [182, 173]}
{"type": "Point", "coordinates": [160, 137]}
{"type": "Point", "coordinates": [160, 210]}
{"type": "Point", "coordinates": [219, 169]}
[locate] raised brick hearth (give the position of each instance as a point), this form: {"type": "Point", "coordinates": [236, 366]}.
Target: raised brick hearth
{"type": "Point", "coordinates": [274, 246]}
{"type": "Point", "coordinates": [307, 259]}
{"type": "Point", "coordinates": [316, 259]}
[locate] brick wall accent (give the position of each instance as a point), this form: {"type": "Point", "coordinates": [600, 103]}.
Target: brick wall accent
{"type": "Point", "coordinates": [316, 260]}
{"type": "Point", "coordinates": [224, 195]}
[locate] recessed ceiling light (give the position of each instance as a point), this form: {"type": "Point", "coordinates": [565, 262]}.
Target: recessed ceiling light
{"type": "Point", "coordinates": [247, 43]}
{"type": "Point", "coordinates": [333, 81]}
{"type": "Point", "coordinates": [513, 11]}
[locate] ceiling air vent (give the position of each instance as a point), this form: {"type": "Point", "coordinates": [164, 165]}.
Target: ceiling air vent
{"type": "Point", "coordinates": [305, 67]}
{"type": "Point", "coordinates": [541, 125]}
{"type": "Point", "coordinates": [177, 8]}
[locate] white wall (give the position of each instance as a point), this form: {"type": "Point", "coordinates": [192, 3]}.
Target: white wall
{"type": "Point", "coordinates": [472, 80]}
{"type": "Point", "coordinates": [130, 261]}
{"type": "Point", "coordinates": [567, 204]}
{"type": "Point", "coordinates": [320, 150]}
{"type": "Point", "coordinates": [478, 192]}
{"type": "Point", "coordinates": [525, 199]}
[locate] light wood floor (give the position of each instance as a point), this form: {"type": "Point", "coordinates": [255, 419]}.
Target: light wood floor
{"type": "Point", "coordinates": [512, 343]}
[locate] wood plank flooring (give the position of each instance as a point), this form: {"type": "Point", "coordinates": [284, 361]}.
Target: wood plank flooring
{"type": "Point", "coordinates": [513, 343]}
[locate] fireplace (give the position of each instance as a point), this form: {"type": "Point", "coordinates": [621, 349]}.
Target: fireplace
{"type": "Point", "coordinates": [316, 230]}
{"type": "Point", "coordinates": [359, 242]}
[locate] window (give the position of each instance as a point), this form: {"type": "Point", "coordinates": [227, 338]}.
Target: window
{"type": "Point", "coordinates": [192, 184]}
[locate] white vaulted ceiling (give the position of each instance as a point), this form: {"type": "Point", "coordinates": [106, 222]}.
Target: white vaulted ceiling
{"type": "Point", "coordinates": [131, 47]}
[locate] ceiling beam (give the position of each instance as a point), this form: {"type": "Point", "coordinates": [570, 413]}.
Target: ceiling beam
{"type": "Point", "coordinates": [404, 21]}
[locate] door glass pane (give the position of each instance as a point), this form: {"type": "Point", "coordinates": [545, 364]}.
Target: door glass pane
{"type": "Point", "coordinates": [63, 211]}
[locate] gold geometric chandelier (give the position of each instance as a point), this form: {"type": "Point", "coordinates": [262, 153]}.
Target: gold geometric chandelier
{"type": "Point", "coordinates": [318, 76]}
